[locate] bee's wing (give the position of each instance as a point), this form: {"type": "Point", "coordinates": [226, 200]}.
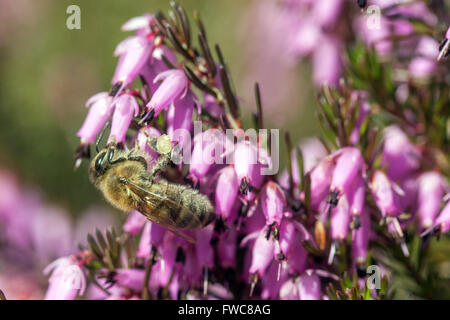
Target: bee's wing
{"type": "Point", "coordinates": [146, 204]}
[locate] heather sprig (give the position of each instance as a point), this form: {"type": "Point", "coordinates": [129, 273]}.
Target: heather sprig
{"type": "Point", "coordinates": [369, 193]}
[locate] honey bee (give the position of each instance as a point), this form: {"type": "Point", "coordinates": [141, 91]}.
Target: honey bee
{"type": "Point", "coordinates": [125, 182]}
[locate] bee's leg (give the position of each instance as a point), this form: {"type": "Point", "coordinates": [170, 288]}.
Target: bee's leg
{"type": "Point", "coordinates": [162, 162]}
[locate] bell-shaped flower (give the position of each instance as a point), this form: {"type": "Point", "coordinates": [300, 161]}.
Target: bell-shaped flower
{"type": "Point", "coordinates": [156, 65]}
{"type": "Point", "coordinates": [320, 181]}
{"type": "Point", "coordinates": [325, 13]}
{"type": "Point", "coordinates": [309, 286]}
{"type": "Point", "coordinates": [327, 64]}
{"type": "Point", "coordinates": [226, 191]}
{"type": "Point", "coordinates": [174, 86]}
{"type": "Point", "coordinates": [126, 107]}
{"type": "Point", "coordinates": [262, 254]}
{"type": "Point", "coordinates": [100, 108]}
{"type": "Point", "coordinates": [179, 119]}
{"type": "Point", "coordinates": [430, 193]}
{"type": "Point", "coordinates": [67, 280]}
{"type": "Point", "coordinates": [384, 194]}
{"type": "Point", "coordinates": [400, 156]}
{"type": "Point", "coordinates": [348, 165]}
{"type": "Point", "coordinates": [357, 196]}
{"type": "Point", "coordinates": [134, 55]}
{"type": "Point", "coordinates": [340, 219]}
{"type": "Point", "coordinates": [138, 23]}
{"type": "Point", "coordinates": [272, 203]}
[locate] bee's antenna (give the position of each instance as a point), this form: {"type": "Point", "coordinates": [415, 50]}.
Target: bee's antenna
{"type": "Point", "coordinates": [97, 142]}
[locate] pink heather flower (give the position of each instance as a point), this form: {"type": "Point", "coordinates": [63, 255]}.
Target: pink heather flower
{"type": "Point", "coordinates": [309, 286]}
{"type": "Point", "coordinates": [156, 66]}
{"type": "Point", "coordinates": [312, 151]}
{"type": "Point", "coordinates": [400, 156]}
{"type": "Point", "coordinates": [246, 164]}
{"type": "Point", "coordinates": [296, 257]}
{"type": "Point", "coordinates": [360, 239]}
{"type": "Point", "coordinates": [423, 65]}
{"type": "Point", "coordinates": [152, 235]}
{"type": "Point", "coordinates": [288, 235]}
{"type": "Point", "coordinates": [126, 107]}
{"type": "Point", "coordinates": [383, 194]}
{"type": "Point", "coordinates": [132, 60]}
{"type": "Point", "coordinates": [205, 253]}
{"type": "Point", "coordinates": [443, 221]}
{"type": "Point", "coordinates": [327, 64]}
{"type": "Point", "coordinates": [211, 106]}
{"type": "Point", "coordinates": [262, 254]}
{"type": "Point", "coordinates": [138, 23]}
{"type": "Point", "coordinates": [348, 165]}
{"type": "Point", "coordinates": [272, 203]}
{"type": "Point", "coordinates": [357, 196]}
{"type": "Point", "coordinates": [179, 119]}
{"type": "Point", "coordinates": [226, 191]}
{"type": "Point", "coordinates": [209, 148]}
{"type": "Point", "coordinates": [66, 281]}
{"type": "Point", "coordinates": [289, 290]}
{"type": "Point", "coordinates": [376, 36]}
{"type": "Point", "coordinates": [100, 109]}
{"type": "Point", "coordinates": [129, 278]}
{"type": "Point", "coordinates": [135, 222]}
{"type": "Point", "coordinates": [320, 181]}
{"type": "Point", "coordinates": [307, 37]}
{"type": "Point", "coordinates": [429, 197]}
{"type": "Point", "coordinates": [168, 257]}
{"type": "Point", "coordinates": [174, 86]}
{"type": "Point", "coordinates": [272, 282]}
{"type": "Point", "coordinates": [340, 219]}
{"type": "Point", "coordinates": [325, 13]}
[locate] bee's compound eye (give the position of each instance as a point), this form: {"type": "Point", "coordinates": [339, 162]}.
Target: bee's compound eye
{"type": "Point", "coordinates": [99, 162]}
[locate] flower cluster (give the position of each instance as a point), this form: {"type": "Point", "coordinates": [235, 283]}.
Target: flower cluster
{"type": "Point", "coordinates": [375, 183]}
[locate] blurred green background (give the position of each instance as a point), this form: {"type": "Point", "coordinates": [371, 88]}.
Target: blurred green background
{"type": "Point", "coordinates": [48, 72]}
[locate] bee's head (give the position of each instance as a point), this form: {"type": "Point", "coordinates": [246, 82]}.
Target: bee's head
{"type": "Point", "coordinates": [100, 164]}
